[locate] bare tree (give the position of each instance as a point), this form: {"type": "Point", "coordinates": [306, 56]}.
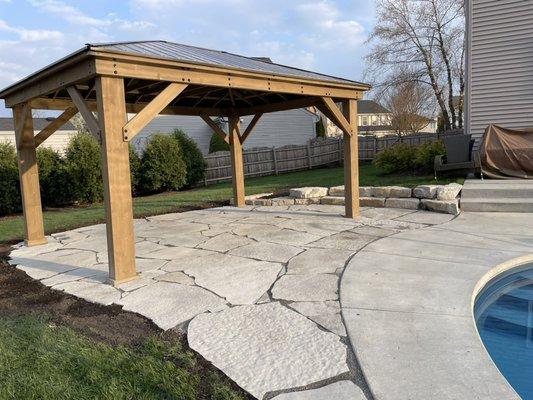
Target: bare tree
{"type": "Point", "coordinates": [416, 41]}
{"type": "Point", "coordinates": [410, 107]}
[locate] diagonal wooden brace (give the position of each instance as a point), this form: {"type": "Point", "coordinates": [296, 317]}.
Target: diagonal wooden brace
{"type": "Point", "coordinates": [250, 127]}
{"type": "Point", "coordinates": [151, 110]}
{"type": "Point", "coordinates": [215, 127]}
{"type": "Point", "coordinates": [55, 125]}
{"type": "Point", "coordinates": [330, 109]}
{"type": "Point", "coordinates": [81, 105]}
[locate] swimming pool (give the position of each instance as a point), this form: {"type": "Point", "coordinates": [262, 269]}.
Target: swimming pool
{"type": "Point", "coordinates": [504, 318]}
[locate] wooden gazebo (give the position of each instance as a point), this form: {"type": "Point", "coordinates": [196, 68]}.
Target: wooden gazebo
{"type": "Point", "coordinates": [156, 77]}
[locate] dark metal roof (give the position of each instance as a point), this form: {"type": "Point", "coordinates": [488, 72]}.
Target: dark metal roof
{"type": "Point", "coordinates": [370, 107]}
{"type": "Point", "coordinates": [198, 55]}
{"type": "Point", "coordinates": [7, 124]}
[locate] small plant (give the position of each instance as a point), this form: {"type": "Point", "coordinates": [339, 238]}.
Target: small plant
{"type": "Point", "coordinates": [84, 168]}
{"type": "Point", "coordinates": [192, 156]}
{"type": "Point", "coordinates": [10, 201]}
{"type": "Point", "coordinates": [162, 165]}
{"type": "Point", "coordinates": [426, 153]}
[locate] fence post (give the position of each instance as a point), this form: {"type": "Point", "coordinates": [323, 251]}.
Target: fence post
{"type": "Point", "coordinates": [375, 147]}
{"type": "Point", "coordinates": [275, 160]}
{"type": "Point", "coordinates": [309, 154]}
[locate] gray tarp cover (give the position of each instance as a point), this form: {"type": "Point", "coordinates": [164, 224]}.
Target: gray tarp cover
{"type": "Point", "coordinates": [507, 153]}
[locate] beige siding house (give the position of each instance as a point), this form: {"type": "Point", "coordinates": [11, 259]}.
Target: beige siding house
{"type": "Point", "coordinates": [58, 141]}
{"type": "Point", "coordinates": [499, 69]}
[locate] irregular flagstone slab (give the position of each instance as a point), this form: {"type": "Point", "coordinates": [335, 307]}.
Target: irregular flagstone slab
{"type": "Point", "coordinates": [225, 242]}
{"type": "Point", "coordinates": [449, 192]}
{"type": "Point", "coordinates": [74, 275]}
{"type": "Point", "coordinates": [325, 313]}
{"type": "Point", "coordinates": [384, 213]}
{"type": "Point", "coordinates": [185, 240]}
{"type": "Point", "coordinates": [145, 279]}
{"type": "Point", "coordinates": [176, 277]}
{"type": "Point", "coordinates": [148, 264]}
{"type": "Point", "coordinates": [239, 280]}
{"type": "Point", "coordinates": [343, 390]}
{"type": "Point", "coordinates": [375, 231]}
{"type": "Point", "coordinates": [92, 291]}
{"type": "Point", "coordinates": [313, 227]}
{"type": "Point", "coordinates": [283, 236]}
{"type": "Point", "coordinates": [177, 254]}
{"type": "Point", "coordinates": [92, 243]}
{"type": "Point", "coordinates": [146, 247]}
{"type": "Point", "coordinates": [169, 304]}
{"type": "Point", "coordinates": [267, 251]}
{"type": "Point", "coordinates": [69, 237]}
{"type": "Point", "coordinates": [320, 287]}
{"type": "Point", "coordinates": [344, 241]}
{"type": "Point", "coordinates": [23, 251]}
{"type": "Point", "coordinates": [267, 347]}
{"type": "Point", "coordinates": [318, 261]}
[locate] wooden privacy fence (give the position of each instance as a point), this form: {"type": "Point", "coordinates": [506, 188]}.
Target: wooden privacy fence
{"type": "Point", "coordinates": [317, 152]}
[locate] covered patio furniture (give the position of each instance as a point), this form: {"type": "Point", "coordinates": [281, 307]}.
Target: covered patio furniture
{"type": "Point", "coordinates": [459, 155]}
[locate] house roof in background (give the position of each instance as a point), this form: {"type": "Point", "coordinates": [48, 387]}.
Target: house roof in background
{"type": "Point", "coordinates": [371, 107]}
{"type": "Point", "coordinates": [198, 55]}
{"type": "Point", "coordinates": [7, 124]}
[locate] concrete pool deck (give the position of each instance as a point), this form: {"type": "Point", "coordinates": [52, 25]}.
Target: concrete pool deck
{"type": "Point", "coordinates": [257, 292]}
{"type": "Point", "coordinates": [407, 305]}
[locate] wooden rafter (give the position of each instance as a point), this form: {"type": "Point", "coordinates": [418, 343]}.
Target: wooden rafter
{"type": "Point", "coordinates": [215, 127]}
{"type": "Point", "coordinates": [250, 127]}
{"type": "Point", "coordinates": [54, 125]}
{"type": "Point", "coordinates": [137, 123]}
{"type": "Point", "coordinates": [336, 116]}
{"type": "Point", "coordinates": [81, 105]}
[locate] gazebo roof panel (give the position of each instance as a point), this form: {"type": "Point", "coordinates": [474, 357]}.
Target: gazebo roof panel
{"type": "Point", "coordinates": [198, 55]}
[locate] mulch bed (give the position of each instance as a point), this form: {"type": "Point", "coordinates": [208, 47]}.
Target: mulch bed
{"type": "Point", "coordinates": [22, 295]}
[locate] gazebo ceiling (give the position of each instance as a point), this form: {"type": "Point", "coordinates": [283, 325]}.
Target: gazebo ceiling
{"type": "Point", "coordinates": [219, 83]}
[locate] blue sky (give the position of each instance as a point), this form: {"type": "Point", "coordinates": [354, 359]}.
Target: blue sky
{"type": "Point", "coordinates": [323, 35]}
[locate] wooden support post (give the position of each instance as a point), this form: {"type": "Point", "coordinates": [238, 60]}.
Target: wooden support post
{"type": "Point", "coordinates": [237, 166]}
{"type": "Point", "coordinates": [351, 160]}
{"type": "Point", "coordinates": [116, 177]}
{"type": "Point", "coordinates": [29, 176]}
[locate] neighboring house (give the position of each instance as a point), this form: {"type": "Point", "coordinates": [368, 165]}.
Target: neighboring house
{"type": "Point", "coordinates": [293, 127]}
{"type": "Point", "coordinates": [499, 65]}
{"type": "Point", "coordinates": [374, 119]}
{"type": "Point", "coordinates": [58, 141]}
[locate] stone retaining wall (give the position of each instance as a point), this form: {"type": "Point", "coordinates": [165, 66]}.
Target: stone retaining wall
{"type": "Point", "coordinates": [439, 198]}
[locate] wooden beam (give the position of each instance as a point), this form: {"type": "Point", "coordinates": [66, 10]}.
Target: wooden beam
{"type": "Point", "coordinates": [337, 116]}
{"type": "Point", "coordinates": [29, 177]}
{"type": "Point", "coordinates": [54, 125]}
{"type": "Point", "coordinates": [250, 127]}
{"type": "Point", "coordinates": [351, 161]}
{"type": "Point", "coordinates": [237, 165]}
{"type": "Point", "coordinates": [138, 67]}
{"type": "Point", "coordinates": [152, 109]}
{"type": "Point", "coordinates": [62, 104]}
{"type": "Point", "coordinates": [274, 107]}
{"type": "Point", "coordinates": [215, 128]}
{"type": "Point", "coordinates": [117, 180]}
{"type": "Point", "coordinates": [90, 120]}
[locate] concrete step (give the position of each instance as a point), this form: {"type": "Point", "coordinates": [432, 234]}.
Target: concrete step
{"type": "Point", "coordinates": [497, 191]}
{"type": "Point", "coordinates": [497, 205]}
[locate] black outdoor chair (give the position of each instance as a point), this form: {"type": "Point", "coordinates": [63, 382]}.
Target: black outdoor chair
{"type": "Point", "coordinates": [459, 155]}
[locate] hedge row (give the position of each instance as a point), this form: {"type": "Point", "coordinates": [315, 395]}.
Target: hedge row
{"type": "Point", "coordinates": [169, 162]}
{"type": "Point", "coordinates": [403, 157]}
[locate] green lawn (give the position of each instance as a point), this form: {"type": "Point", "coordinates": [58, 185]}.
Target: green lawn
{"type": "Point", "coordinates": [11, 228]}
{"type": "Point", "coordinates": [41, 360]}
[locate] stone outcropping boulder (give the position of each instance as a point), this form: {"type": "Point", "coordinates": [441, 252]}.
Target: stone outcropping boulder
{"type": "Point", "coordinates": [308, 192]}
{"type": "Point", "coordinates": [425, 191]}
{"type": "Point", "coordinates": [449, 192]}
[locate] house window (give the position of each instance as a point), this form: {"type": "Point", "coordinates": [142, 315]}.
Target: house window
{"type": "Point", "coordinates": [365, 121]}
{"type": "Point", "coordinates": [374, 120]}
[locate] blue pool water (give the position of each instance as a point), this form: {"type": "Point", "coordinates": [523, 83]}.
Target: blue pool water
{"type": "Point", "coordinates": [504, 318]}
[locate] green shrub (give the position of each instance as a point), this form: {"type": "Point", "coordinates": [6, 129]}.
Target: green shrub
{"type": "Point", "coordinates": [162, 165]}
{"type": "Point", "coordinates": [217, 144]}
{"type": "Point", "coordinates": [10, 200]}
{"type": "Point", "coordinates": [84, 170]}
{"type": "Point", "coordinates": [397, 158]}
{"type": "Point", "coordinates": [403, 157]}
{"type": "Point", "coordinates": [194, 160]}
{"type": "Point", "coordinates": [426, 153]}
{"type": "Point", "coordinates": [53, 178]}
{"type": "Point", "coordinates": [135, 170]}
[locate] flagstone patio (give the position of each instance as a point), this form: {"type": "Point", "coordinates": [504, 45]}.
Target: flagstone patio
{"type": "Point", "coordinates": [255, 288]}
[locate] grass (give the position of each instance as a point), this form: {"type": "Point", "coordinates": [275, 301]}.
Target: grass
{"type": "Point", "coordinates": [56, 220]}
{"type": "Point", "coordinates": [41, 360]}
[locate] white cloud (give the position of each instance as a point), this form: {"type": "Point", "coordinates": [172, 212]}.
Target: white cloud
{"type": "Point", "coordinates": [31, 35]}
